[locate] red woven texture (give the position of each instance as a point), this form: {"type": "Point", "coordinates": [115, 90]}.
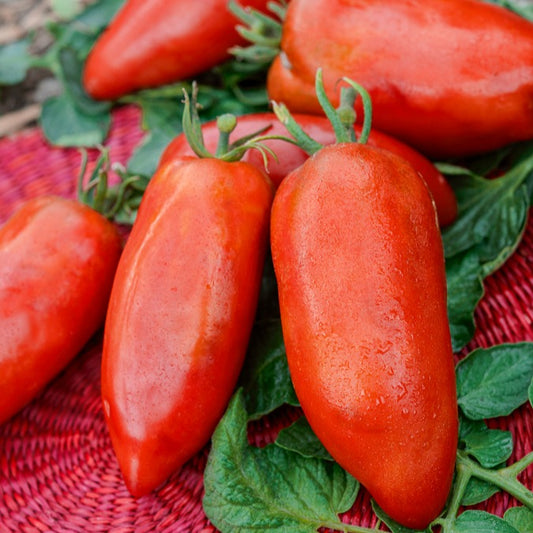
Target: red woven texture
{"type": "Point", "coordinates": [58, 472]}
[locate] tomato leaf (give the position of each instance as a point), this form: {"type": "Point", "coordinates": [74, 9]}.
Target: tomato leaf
{"type": "Point", "coordinates": [490, 447]}
{"type": "Point", "coordinates": [478, 491]}
{"type": "Point", "coordinates": [492, 219]}
{"type": "Point", "coordinates": [269, 489]}
{"type": "Point", "coordinates": [64, 125]}
{"type": "Point", "coordinates": [465, 290]}
{"type": "Point", "coordinates": [265, 377]}
{"type": "Point", "coordinates": [521, 518]}
{"type": "Point", "coordinates": [300, 438]}
{"type": "Point", "coordinates": [494, 382]}
{"type": "Point", "coordinates": [147, 153]}
{"type": "Point", "coordinates": [15, 60]}
{"type": "Point", "coordinates": [479, 522]}
{"type": "Point", "coordinates": [492, 214]}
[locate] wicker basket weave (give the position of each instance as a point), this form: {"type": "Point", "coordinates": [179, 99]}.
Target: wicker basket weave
{"type": "Point", "coordinates": [58, 472]}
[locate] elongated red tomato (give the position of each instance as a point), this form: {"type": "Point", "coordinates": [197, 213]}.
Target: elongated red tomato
{"type": "Point", "coordinates": [57, 262]}
{"type": "Point", "coordinates": [181, 312]}
{"type": "Point", "coordinates": [448, 77]}
{"type": "Point", "coordinates": [155, 42]}
{"type": "Point", "coordinates": [360, 269]}
{"type": "Point", "coordinates": [290, 156]}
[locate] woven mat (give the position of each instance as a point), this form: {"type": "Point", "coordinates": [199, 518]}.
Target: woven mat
{"type": "Point", "coordinates": [58, 472]}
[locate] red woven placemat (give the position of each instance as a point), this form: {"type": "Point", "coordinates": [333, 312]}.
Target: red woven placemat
{"type": "Point", "coordinates": [58, 472]}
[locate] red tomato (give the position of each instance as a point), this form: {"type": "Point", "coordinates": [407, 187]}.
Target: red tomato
{"type": "Point", "coordinates": [57, 262]}
{"type": "Point", "coordinates": [290, 156]}
{"type": "Point", "coordinates": [155, 42]}
{"type": "Point", "coordinates": [362, 289]}
{"type": "Point", "coordinates": [181, 312]}
{"type": "Point", "coordinates": [447, 77]}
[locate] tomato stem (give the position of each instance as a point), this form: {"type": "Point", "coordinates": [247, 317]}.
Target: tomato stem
{"type": "Point", "coordinates": [505, 478]}
{"type": "Point", "coordinates": [261, 30]}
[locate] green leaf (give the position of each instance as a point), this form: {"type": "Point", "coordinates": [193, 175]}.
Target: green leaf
{"type": "Point", "coordinates": [521, 518]}
{"type": "Point", "coordinates": [71, 74]}
{"type": "Point", "coordinates": [64, 125]}
{"type": "Point", "coordinates": [465, 290]}
{"type": "Point", "coordinates": [490, 447]}
{"type": "Point", "coordinates": [73, 118]}
{"type": "Point", "coordinates": [269, 489]}
{"type": "Point", "coordinates": [265, 376]}
{"type": "Point", "coordinates": [146, 155]}
{"type": "Point", "coordinates": [478, 491]}
{"type": "Point", "coordinates": [99, 14]}
{"type": "Point", "coordinates": [494, 382]}
{"type": "Point", "coordinates": [481, 522]}
{"type": "Point", "coordinates": [391, 524]}
{"type": "Point", "coordinates": [530, 393]}
{"type": "Point", "coordinates": [66, 9]}
{"type": "Point", "coordinates": [492, 214]}
{"type": "Point", "coordinates": [300, 438]}
{"type": "Point", "coordinates": [15, 60]}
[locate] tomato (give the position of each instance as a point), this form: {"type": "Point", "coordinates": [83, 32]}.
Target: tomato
{"type": "Point", "coordinates": [290, 156]}
{"type": "Point", "coordinates": [360, 268]}
{"type": "Point", "coordinates": [447, 77]}
{"type": "Point", "coordinates": [57, 262]}
{"type": "Point", "coordinates": [181, 312]}
{"type": "Point", "coordinates": [155, 42]}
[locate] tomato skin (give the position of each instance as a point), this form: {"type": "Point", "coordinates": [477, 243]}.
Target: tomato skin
{"type": "Point", "coordinates": [181, 312]}
{"type": "Point", "coordinates": [154, 42]}
{"type": "Point", "coordinates": [57, 262]}
{"type": "Point", "coordinates": [440, 73]}
{"type": "Point", "coordinates": [362, 288]}
{"type": "Point", "coordinates": [290, 156]}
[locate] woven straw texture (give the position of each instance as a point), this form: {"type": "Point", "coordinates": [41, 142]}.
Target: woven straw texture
{"type": "Point", "coordinates": [58, 472]}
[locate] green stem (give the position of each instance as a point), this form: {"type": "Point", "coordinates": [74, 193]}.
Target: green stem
{"type": "Point", "coordinates": [367, 109]}
{"type": "Point", "coordinates": [504, 478]}
{"type": "Point", "coordinates": [462, 479]}
{"type": "Point", "coordinates": [338, 127]}
{"type": "Point", "coordinates": [304, 141]}
{"type": "Point", "coordinates": [346, 112]}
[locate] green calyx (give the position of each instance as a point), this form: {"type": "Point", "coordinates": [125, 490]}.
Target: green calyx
{"type": "Point", "coordinates": [342, 118]}
{"type": "Point", "coordinates": [226, 151]}
{"type": "Point", "coordinates": [118, 202]}
{"type": "Point", "coordinates": [263, 32]}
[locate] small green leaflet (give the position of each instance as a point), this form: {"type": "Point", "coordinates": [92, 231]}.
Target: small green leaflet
{"type": "Point", "coordinates": [300, 438]}
{"type": "Point", "coordinates": [494, 382]}
{"type": "Point", "coordinates": [478, 491]}
{"type": "Point", "coordinates": [481, 522]}
{"type": "Point", "coordinates": [521, 518]}
{"type": "Point", "coordinates": [492, 213]}
{"type": "Point", "coordinates": [265, 377]}
{"type": "Point", "coordinates": [15, 60]}
{"type": "Point", "coordinates": [465, 290]}
{"type": "Point", "coordinates": [74, 119]}
{"type": "Point", "coordinates": [491, 447]}
{"type": "Point", "coordinates": [269, 489]}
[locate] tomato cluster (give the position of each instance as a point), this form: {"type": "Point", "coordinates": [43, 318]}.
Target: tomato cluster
{"type": "Point", "coordinates": [353, 230]}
